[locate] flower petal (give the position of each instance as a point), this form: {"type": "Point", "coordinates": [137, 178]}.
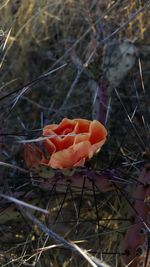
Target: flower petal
{"type": "Point", "coordinates": [96, 148]}
{"type": "Point", "coordinates": [48, 142]}
{"type": "Point", "coordinates": [65, 126]}
{"type": "Point", "coordinates": [97, 132]}
{"type": "Point", "coordinates": [57, 143]}
{"type": "Point", "coordinates": [68, 158]}
{"type": "Point", "coordinates": [82, 126]}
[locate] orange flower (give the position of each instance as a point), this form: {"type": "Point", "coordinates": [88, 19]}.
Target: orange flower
{"type": "Point", "coordinates": [74, 142]}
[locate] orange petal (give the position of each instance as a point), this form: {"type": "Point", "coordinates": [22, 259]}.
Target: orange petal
{"type": "Point", "coordinates": [68, 158]}
{"type": "Point", "coordinates": [82, 126]}
{"type": "Point", "coordinates": [96, 147]}
{"type": "Point", "coordinates": [51, 127]}
{"type": "Point", "coordinates": [97, 132]}
{"type": "Point", "coordinates": [81, 130]}
{"type": "Point", "coordinates": [65, 126]}
{"type": "Point", "coordinates": [82, 150]}
{"type": "Point", "coordinates": [57, 143]}
{"type": "Point", "coordinates": [44, 161]}
{"type": "Point", "coordinates": [80, 163]}
{"type": "Point", "coordinates": [48, 143]}
{"type": "Point", "coordinates": [81, 137]}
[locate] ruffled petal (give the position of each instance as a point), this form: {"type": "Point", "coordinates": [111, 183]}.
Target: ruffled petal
{"type": "Point", "coordinates": [80, 163]}
{"type": "Point", "coordinates": [68, 158]}
{"type": "Point", "coordinates": [97, 132]}
{"type": "Point", "coordinates": [48, 143]}
{"type": "Point", "coordinates": [82, 126]}
{"type": "Point", "coordinates": [51, 127]}
{"type": "Point", "coordinates": [57, 143]}
{"type": "Point", "coordinates": [81, 137]}
{"type": "Point", "coordinates": [65, 126]}
{"type": "Point", "coordinates": [96, 148]}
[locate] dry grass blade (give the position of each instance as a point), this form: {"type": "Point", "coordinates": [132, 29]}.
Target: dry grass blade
{"type": "Point", "coordinates": [39, 139]}
{"type": "Point", "coordinates": [133, 16]}
{"type": "Point", "coordinates": [74, 248]}
{"type": "Point", "coordinates": [27, 86]}
{"type": "Point", "coordinates": [48, 231]}
{"type": "Point", "coordinates": [5, 164]}
{"type": "Point", "coordinates": [24, 204]}
{"type": "Point", "coordinates": [92, 260]}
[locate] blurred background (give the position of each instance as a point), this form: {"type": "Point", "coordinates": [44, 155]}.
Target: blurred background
{"type": "Point", "coordinates": [77, 44]}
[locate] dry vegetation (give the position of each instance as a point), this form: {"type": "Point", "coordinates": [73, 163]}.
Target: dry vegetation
{"type": "Point", "coordinates": [37, 37]}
